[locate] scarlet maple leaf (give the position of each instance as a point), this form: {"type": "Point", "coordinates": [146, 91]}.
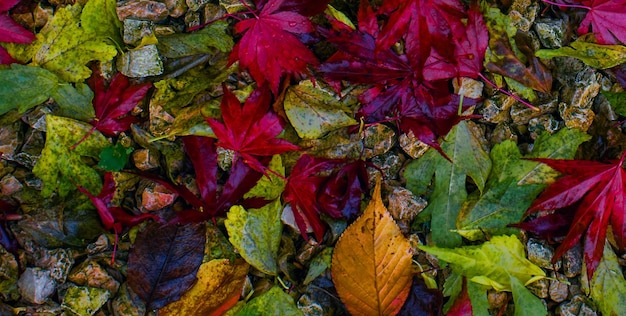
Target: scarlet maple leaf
{"type": "Point", "coordinates": [270, 48]}
{"type": "Point", "coordinates": [250, 129]}
{"type": "Point", "coordinates": [114, 218]}
{"type": "Point", "coordinates": [599, 187]}
{"type": "Point", "coordinates": [605, 18]}
{"type": "Point", "coordinates": [11, 31]}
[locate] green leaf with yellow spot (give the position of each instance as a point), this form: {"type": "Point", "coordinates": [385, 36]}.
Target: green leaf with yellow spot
{"type": "Point", "coordinates": [608, 286]}
{"type": "Point", "coordinates": [270, 187]}
{"type": "Point", "coordinates": [313, 111]}
{"type": "Point", "coordinates": [594, 55]}
{"type": "Point", "coordinates": [256, 233]}
{"type": "Point", "coordinates": [100, 17]}
{"type": "Point", "coordinates": [65, 48]}
{"type": "Point", "coordinates": [59, 166]}
{"type": "Point", "coordinates": [273, 302]}
{"type": "Point", "coordinates": [210, 40]}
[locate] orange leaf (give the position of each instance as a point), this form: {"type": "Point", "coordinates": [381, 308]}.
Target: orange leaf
{"type": "Point", "coordinates": [371, 265]}
{"type": "Point", "coordinates": [217, 290]}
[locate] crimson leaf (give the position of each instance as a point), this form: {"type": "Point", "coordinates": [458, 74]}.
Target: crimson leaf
{"type": "Point", "coordinates": [341, 193]}
{"type": "Point", "coordinates": [163, 262]}
{"type": "Point", "coordinates": [270, 47]}
{"type": "Point", "coordinates": [599, 187]}
{"type": "Point", "coordinates": [250, 130]}
{"type": "Point", "coordinates": [11, 31]}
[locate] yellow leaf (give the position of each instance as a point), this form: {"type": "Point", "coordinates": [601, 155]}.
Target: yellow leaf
{"type": "Point", "coordinates": [371, 265]}
{"type": "Point", "coordinates": [217, 290]}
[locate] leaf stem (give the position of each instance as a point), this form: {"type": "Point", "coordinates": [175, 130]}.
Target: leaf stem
{"type": "Point", "coordinates": [518, 99]}
{"type": "Point", "coordinates": [578, 6]}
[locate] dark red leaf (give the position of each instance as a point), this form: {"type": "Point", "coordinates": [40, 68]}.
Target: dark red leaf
{"type": "Point", "coordinates": [203, 156]}
{"type": "Point", "coordinates": [550, 226]}
{"type": "Point", "coordinates": [250, 129]}
{"type": "Point", "coordinates": [605, 18]}
{"type": "Point", "coordinates": [341, 193]}
{"type": "Point", "coordinates": [422, 301]}
{"type": "Point", "coordinates": [11, 31]}
{"type": "Point", "coordinates": [113, 104]}
{"type": "Point", "coordinates": [269, 48]}
{"type": "Point", "coordinates": [306, 7]}
{"type": "Point", "coordinates": [163, 262]}
{"type": "Point", "coordinates": [599, 188]}
{"type": "Point", "coordinates": [462, 305]}
{"type": "Point", "coordinates": [7, 212]}
{"type": "Point", "coordinates": [471, 48]}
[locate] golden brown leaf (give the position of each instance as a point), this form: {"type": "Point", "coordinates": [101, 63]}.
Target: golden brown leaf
{"type": "Point", "coordinates": [371, 265]}
{"type": "Point", "coordinates": [217, 290]}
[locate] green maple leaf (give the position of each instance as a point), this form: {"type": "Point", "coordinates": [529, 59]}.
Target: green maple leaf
{"type": "Point", "coordinates": [64, 47]}
{"type": "Point", "coordinates": [60, 167]}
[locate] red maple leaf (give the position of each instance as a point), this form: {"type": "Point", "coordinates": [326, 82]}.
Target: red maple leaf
{"type": "Point", "coordinates": [599, 187]}
{"type": "Point", "coordinates": [11, 31]}
{"type": "Point", "coordinates": [411, 88]}
{"type": "Point", "coordinates": [113, 218]}
{"type": "Point", "coordinates": [270, 47]}
{"type": "Point", "coordinates": [605, 18]}
{"type": "Point", "coordinates": [250, 129]}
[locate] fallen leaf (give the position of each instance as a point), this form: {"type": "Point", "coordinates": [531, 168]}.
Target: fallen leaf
{"type": "Point", "coordinates": [273, 302]}
{"type": "Point", "coordinates": [11, 31]}
{"type": "Point", "coordinates": [318, 265]}
{"type": "Point", "coordinates": [99, 17]}
{"type": "Point", "coordinates": [499, 263]}
{"type": "Point", "coordinates": [256, 234]}
{"type": "Point", "coordinates": [219, 286]}
{"type": "Point", "coordinates": [422, 301]}
{"type": "Point", "coordinates": [163, 262]}
{"type": "Point", "coordinates": [114, 157]}
{"type": "Point", "coordinates": [61, 168]}
{"type": "Point", "coordinates": [209, 40]}
{"type": "Point", "coordinates": [608, 287]}
{"type": "Point", "coordinates": [371, 266]}
{"type": "Point", "coordinates": [594, 55]}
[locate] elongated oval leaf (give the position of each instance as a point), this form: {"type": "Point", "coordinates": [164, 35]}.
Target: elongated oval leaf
{"type": "Point", "coordinates": [371, 265]}
{"type": "Point", "coordinates": [163, 264]}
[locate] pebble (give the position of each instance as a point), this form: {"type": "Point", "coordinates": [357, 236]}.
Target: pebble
{"type": "Point", "coordinates": [36, 285]}
{"type": "Point", "coordinates": [558, 290]}
{"type": "Point", "coordinates": [9, 185]}
{"type": "Point", "coordinates": [135, 30]}
{"type": "Point", "coordinates": [155, 197]}
{"type": "Point", "coordinates": [140, 62]}
{"type": "Point", "coordinates": [145, 160]}
{"type": "Point", "coordinates": [572, 261]}
{"type": "Point", "coordinates": [143, 10]}
{"type": "Point", "coordinates": [91, 273]}
{"type": "Point", "coordinates": [404, 206]}
{"type": "Point", "coordinates": [412, 146]}
{"type": "Point", "coordinates": [540, 253]}
{"type": "Point", "coordinates": [551, 33]}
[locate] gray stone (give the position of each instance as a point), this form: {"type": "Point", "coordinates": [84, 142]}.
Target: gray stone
{"type": "Point", "coordinates": [34, 141]}
{"type": "Point", "coordinates": [540, 253]}
{"type": "Point", "coordinates": [11, 138]}
{"type": "Point", "coordinates": [195, 5]}
{"type": "Point", "coordinates": [573, 262]}
{"type": "Point", "coordinates": [551, 32]}
{"type": "Point", "coordinates": [577, 96]}
{"type": "Point", "coordinates": [9, 274]}
{"type": "Point", "coordinates": [496, 109]}
{"type": "Point", "coordinates": [412, 146]}
{"type": "Point", "coordinates": [522, 114]}
{"type": "Point", "coordinates": [390, 163]}
{"type": "Point", "coordinates": [143, 10]}
{"type": "Point", "coordinates": [497, 299]}
{"type": "Point", "coordinates": [58, 261]}
{"type": "Point", "coordinates": [544, 123]}
{"type": "Point", "coordinates": [502, 132]}
{"type": "Point", "coordinates": [572, 307]}
{"type": "Point", "coordinates": [468, 87]}
{"type": "Point", "coordinates": [143, 61]}
{"type": "Point", "coordinates": [100, 245]}
{"type": "Point", "coordinates": [522, 14]}
{"type": "Point", "coordinates": [540, 288]}
{"type": "Point", "coordinates": [9, 185]}
{"type": "Point", "coordinates": [309, 307]}
{"type": "Point", "coordinates": [558, 290]}
{"type": "Point", "coordinates": [91, 273]}
{"type": "Point", "coordinates": [135, 30]}
{"type": "Point", "coordinates": [36, 285]}
{"type": "Point", "coordinates": [404, 206]}
{"type": "Point", "coordinates": [176, 7]}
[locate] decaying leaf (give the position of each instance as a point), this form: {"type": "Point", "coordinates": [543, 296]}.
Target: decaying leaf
{"type": "Point", "coordinates": [371, 266]}
{"type": "Point", "coordinates": [608, 287]}
{"type": "Point", "coordinates": [219, 286]}
{"type": "Point", "coordinates": [273, 302]}
{"type": "Point", "coordinates": [163, 264]}
{"type": "Point", "coordinates": [594, 55]}
{"type": "Point", "coordinates": [11, 31]}
{"type": "Point", "coordinates": [209, 40]}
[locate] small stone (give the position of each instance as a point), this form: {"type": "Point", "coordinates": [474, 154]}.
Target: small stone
{"type": "Point", "coordinates": [523, 13]}
{"type": "Point", "coordinates": [497, 299]}
{"type": "Point", "coordinates": [37, 118]}
{"type": "Point", "coordinates": [307, 251]}
{"type": "Point", "coordinates": [143, 10]}
{"type": "Point", "coordinates": [100, 245]}
{"type": "Point", "coordinates": [540, 253]}
{"type": "Point", "coordinates": [91, 273]}
{"type": "Point", "coordinates": [544, 123]}
{"type": "Point", "coordinates": [551, 32]}
{"type": "Point", "coordinates": [571, 307]}
{"type": "Point", "coordinates": [522, 114]}
{"type": "Point", "coordinates": [309, 307]}
{"type": "Point", "coordinates": [577, 96]}
{"type": "Point", "coordinates": [9, 185]}
{"type": "Point", "coordinates": [586, 310]}
{"type": "Point", "coordinates": [176, 7]}
{"type": "Point", "coordinates": [558, 290]}
{"type": "Point", "coordinates": [11, 138]}
{"type": "Point", "coordinates": [84, 301]}
{"type": "Point", "coordinates": [155, 197]}
{"type": "Point", "coordinates": [289, 219]}
{"type": "Point", "coordinates": [9, 275]}
{"type": "Point", "coordinates": [192, 19]}
{"type": "Point", "coordinates": [145, 160]}
{"type": "Point", "coordinates": [34, 141]}
{"type": "Point", "coordinates": [573, 262]}
{"type": "Point", "coordinates": [143, 61]}
{"type": "Point", "coordinates": [540, 288]}
{"type": "Point", "coordinates": [36, 285]}
{"type": "Point", "coordinates": [195, 5]}
{"type": "Point", "coordinates": [390, 163]}
{"type": "Point", "coordinates": [496, 109]}
{"type": "Point", "coordinates": [135, 30]}
{"type": "Point", "coordinates": [468, 87]}
{"type": "Point", "coordinates": [501, 133]}
{"type": "Point", "coordinates": [576, 117]}
{"type": "Point", "coordinates": [213, 12]}
{"type": "Point", "coordinates": [58, 261]}
{"type": "Point", "coordinates": [127, 303]}
{"type": "Point", "coordinates": [404, 206]}
{"type": "Point", "coordinates": [412, 146]}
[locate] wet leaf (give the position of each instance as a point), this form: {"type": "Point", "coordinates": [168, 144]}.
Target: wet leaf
{"type": "Point", "coordinates": [255, 233]}
{"type": "Point", "coordinates": [270, 187]}
{"type": "Point", "coordinates": [318, 265]}
{"type": "Point", "coordinates": [422, 301]}
{"type": "Point", "coordinates": [594, 55]}
{"type": "Point", "coordinates": [500, 264]}
{"type": "Point", "coordinates": [115, 157]}
{"type": "Point", "coordinates": [59, 166]}
{"type": "Point", "coordinates": [313, 111]}
{"type": "Point", "coordinates": [513, 183]}
{"type": "Point", "coordinates": [219, 286]}
{"type": "Point", "coordinates": [99, 17]}
{"type": "Point", "coordinates": [617, 101]}
{"type": "Point", "coordinates": [84, 300]}
{"type": "Point", "coordinates": [370, 255]}
{"type": "Point", "coordinates": [209, 40]}
{"type": "Point", "coordinates": [608, 287]}
{"type": "Point", "coordinates": [64, 47]}
{"type": "Point", "coordinates": [273, 302]}
{"type": "Point", "coordinates": [164, 261]}
{"type": "Point", "coordinates": [11, 31]}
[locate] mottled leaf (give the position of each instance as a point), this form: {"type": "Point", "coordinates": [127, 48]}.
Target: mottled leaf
{"type": "Point", "coordinates": [163, 263]}
{"type": "Point", "coordinates": [100, 18]}
{"type": "Point", "coordinates": [219, 286]}
{"type": "Point", "coordinates": [617, 101]}
{"type": "Point", "coordinates": [608, 287]}
{"type": "Point", "coordinates": [273, 302]}
{"type": "Point", "coordinates": [318, 265]}
{"type": "Point", "coordinates": [256, 233]}
{"type": "Point", "coordinates": [594, 55]}
{"type": "Point", "coordinates": [60, 167]}
{"type": "Point", "coordinates": [23, 87]}
{"type": "Point", "coordinates": [313, 111]}
{"type": "Point", "coordinates": [11, 31]}
{"type": "Point", "coordinates": [209, 40]}
{"type": "Point", "coordinates": [371, 266]}
{"type": "Point", "coordinates": [270, 187]}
